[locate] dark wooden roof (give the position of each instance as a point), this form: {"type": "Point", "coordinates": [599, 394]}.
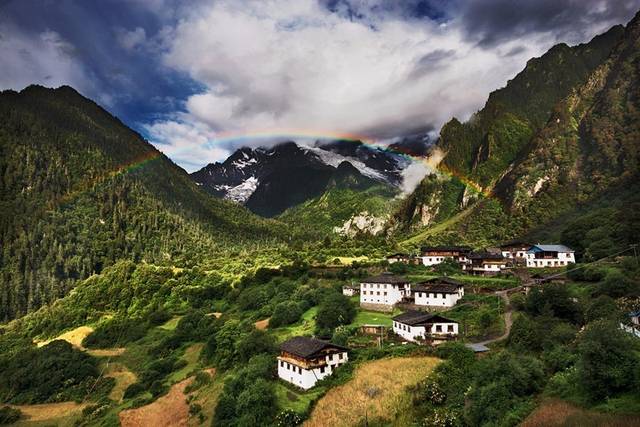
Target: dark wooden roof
{"type": "Point", "coordinates": [487, 256]}
{"type": "Point", "coordinates": [418, 318]}
{"type": "Point", "coordinates": [446, 248]}
{"type": "Point", "coordinates": [441, 279]}
{"type": "Point", "coordinates": [388, 278]}
{"type": "Point", "coordinates": [306, 347]}
{"type": "Point", "coordinates": [400, 255]}
{"type": "Point", "coordinates": [445, 288]}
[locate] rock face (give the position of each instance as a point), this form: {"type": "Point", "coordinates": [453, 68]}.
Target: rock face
{"type": "Point", "coordinates": [362, 223]}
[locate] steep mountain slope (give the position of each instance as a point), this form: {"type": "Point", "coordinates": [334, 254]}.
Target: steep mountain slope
{"type": "Point", "coordinates": [531, 158]}
{"type": "Point", "coordinates": [271, 180]}
{"type": "Point", "coordinates": [80, 190]}
{"type": "Point", "coordinates": [483, 148]}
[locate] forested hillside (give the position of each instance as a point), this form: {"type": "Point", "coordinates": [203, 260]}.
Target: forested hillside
{"type": "Point", "coordinates": [79, 190]}
{"type": "Point", "coordinates": [546, 153]}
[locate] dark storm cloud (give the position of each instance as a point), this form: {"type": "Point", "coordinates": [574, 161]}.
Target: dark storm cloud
{"type": "Point", "coordinates": [93, 36]}
{"type": "Point", "coordinates": [490, 22]}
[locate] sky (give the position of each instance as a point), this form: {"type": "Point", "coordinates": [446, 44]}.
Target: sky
{"type": "Point", "coordinates": [201, 78]}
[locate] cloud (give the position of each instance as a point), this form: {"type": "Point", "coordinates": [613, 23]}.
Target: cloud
{"type": "Point", "coordinates": [185, 73]}
{"type": "Point", "coordinates": [130, 40]}
{"type": "Point", "coordinates": [281, 65]}
{"type": "Point", "coordinates": [39, 58]}
{"type": "Point", "coordinates": [186, 143]}
{"type": "Point", "coordinates": [491, 22]}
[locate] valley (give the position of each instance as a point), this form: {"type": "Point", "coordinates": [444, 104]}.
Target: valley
{"type": "Point", "coordinates": [318, 282]}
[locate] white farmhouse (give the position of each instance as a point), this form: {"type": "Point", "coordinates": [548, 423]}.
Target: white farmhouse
{"type": "Point", "coordinates": [485, 263]}
{"type": "Point", "coordinates": [304, 361]}
{"type": "Point", "coordinates": [383, 292]}
{"type": "Point", "coordinates": [440, 292]}
{"type": "Point", "coordinates": [516, 251]}
{"type": "Point", "coordinates": [433, 255]}
{"type": "Point", "coordinates": [416, 326]}
{"type": "Point", "coordinates": [539, 256]}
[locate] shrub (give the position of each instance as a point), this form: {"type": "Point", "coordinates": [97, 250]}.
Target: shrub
{"type": "Point", "coordinates": [285, 313]}
{"type": "Point", "coordinates": [133, 390]}
{"type": "Point", "coordinates": [288, 418]}
{"type": "Point", "coordinates": [116, 332]}
{"type": "Point", "coordinates": [608, 361]}
{"type": "Point", "coordinates": [9, 415]}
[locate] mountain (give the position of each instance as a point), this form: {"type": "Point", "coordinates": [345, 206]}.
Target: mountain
{"type": "Point", "coordinates": [270, 180]}
{"type": "Point", "coordinates": [546, 150]}
{"type": "Point", "coordinates": [79, 190]}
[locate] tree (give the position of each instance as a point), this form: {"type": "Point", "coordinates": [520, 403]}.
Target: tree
{"type": "Point", "coordinates": [254, 343]}
{"type": "Point", "coordinates": [608, 361]}
{"type": "Point", "coordinates": [334, 310]}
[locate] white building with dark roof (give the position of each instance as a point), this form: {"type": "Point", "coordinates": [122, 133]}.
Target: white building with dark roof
{"type": "Point", "coordinates": [382, 292]}
{"type": "Point", "coordinates": [417, 326]}
{"type": "Point", "coordinates": [304, 361]}
{"type": "Point", "coordinates": [440, 292]}
{"type": "Point", "coordinates": [540, 256]}
{"type": "Point", "coordinates": [485, 263]}
{"type": "Point", "coordinates": [433, 255]}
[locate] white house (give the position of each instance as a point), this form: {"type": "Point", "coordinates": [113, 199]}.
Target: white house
{"type": "Point", "coordinates": [350, 290]}
{"type": "Point", "coordinates": [516, 251]}
{"type": "Point", "coordinates": [384, 291]}
{"type": "Point", "coordinates": [416, 326]}
{"type": "Point", "coordinates": [485, 263]}
{"type": "Point", "coordinates": [438, 292]}
{"type": "Point", "coordinates": [539, 256]}
{"type": "Point", "coordinates": [433, 255]}
{"type": "Point", "coordinates": [304, 361]}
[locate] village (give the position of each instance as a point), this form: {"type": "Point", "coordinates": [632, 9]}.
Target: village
{"type": "Point", "coordinates": [303, 361]}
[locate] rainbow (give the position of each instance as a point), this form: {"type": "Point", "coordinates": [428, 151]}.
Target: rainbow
{"type": "Point", "coordinates": [272, 135]}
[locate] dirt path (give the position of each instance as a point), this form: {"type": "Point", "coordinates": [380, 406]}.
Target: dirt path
{"type": "Point", "coordinates": [508, 322]}
{"type": "Point", "coordinates": [124, 378]}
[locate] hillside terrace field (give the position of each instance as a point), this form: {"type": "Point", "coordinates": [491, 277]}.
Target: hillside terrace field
{"type": "Point", "coordinates": [377, 391]}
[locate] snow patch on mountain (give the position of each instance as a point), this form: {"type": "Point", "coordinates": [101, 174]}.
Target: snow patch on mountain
{"type": "Point", "coordinates": [333, 159]}
{"type": "Point", "coordinates": [241, 193]}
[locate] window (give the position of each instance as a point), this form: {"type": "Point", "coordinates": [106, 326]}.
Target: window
{"type": "Point", "coordinates": [384, 293]}
{"type": "Point", "coordinates": [281, 364]}
{"type": "Point", "coordinates": [341, 356]}
{"type": "Point", "coordinates": [449, 328]}
{"type": "Point", "coordinates": [322, 369]}
{"type": "Point", "coordinates": [438, 328]}
{"type": "Point", "coordinates": [378, 293]}
{"type": "Point", "coordinates": [299, 370]}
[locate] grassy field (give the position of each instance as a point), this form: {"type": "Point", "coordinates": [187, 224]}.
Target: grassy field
{"type": "Point", "coordinates": [377, 389]}
{"type": "Point", "coordinates": [191, 356]}
{"type": "Point", "coordinates": [305, 326]}
{"type": "Point", "coordinates": [73, 337]}
{"type": "Point", "coordinates": [364, 317]}
{"type": "Point", "coordinates": [170, 324]}
{"type": "Point", "coordinates": [295, 399]}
